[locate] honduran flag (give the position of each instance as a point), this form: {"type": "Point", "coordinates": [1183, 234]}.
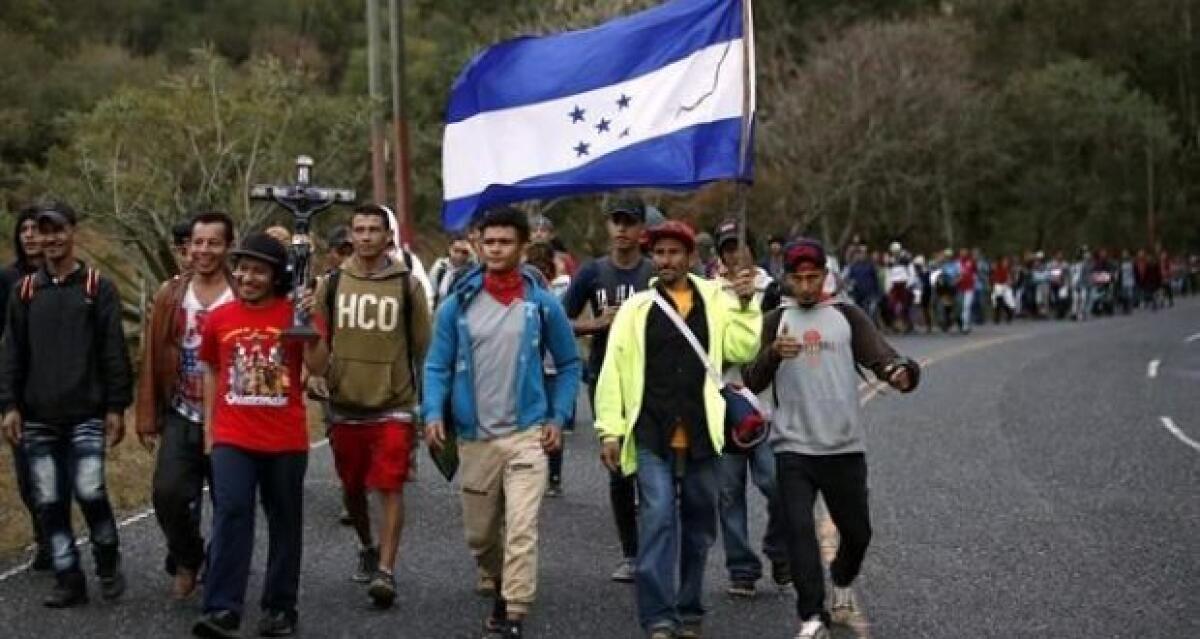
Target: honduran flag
{"type": "Point", "coordinates": [663, 98]}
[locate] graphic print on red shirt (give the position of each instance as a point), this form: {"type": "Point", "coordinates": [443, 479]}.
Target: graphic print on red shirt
{"type": "Point", "coordinates": [259, 404]}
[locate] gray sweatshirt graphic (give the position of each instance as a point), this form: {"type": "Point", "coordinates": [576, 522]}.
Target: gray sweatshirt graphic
{"type": "Point", "coordinates": [816, 393]}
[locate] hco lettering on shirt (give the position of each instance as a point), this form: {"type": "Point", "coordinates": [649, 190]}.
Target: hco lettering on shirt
{"type": "Point", "coordinates": [367, 312]}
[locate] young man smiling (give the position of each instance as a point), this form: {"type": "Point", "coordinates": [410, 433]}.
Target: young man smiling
{"type": "Point", "coordinates": [256, 435]}
{"type": "Point", "coordinates": [379, 332]}
{"type": "Point", "coordinates": [660, 416]}
{"type": "Point", "coordinates": [484, 378]}
{"type": "Point", "coordinates": [170, 398]}
{"type": "Point", "coordinates": [65, 382]}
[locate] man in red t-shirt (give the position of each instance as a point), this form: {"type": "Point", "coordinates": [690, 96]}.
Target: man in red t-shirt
{"type": "Point", "coordinates": [966, 286]}
{"type": "Point", "coordinates": [257, 437]}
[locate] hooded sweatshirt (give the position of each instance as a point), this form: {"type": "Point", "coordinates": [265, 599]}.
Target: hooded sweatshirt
{"type": "Point", "coordinates": [372, 363]}
{"type": "Point", "coordinates": [18, 269]}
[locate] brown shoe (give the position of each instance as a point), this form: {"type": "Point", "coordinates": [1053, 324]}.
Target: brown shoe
{"type": "Point", "coordinates": [184, 584]}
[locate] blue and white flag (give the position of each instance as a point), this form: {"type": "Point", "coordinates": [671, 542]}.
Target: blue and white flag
{"type": "Point", "coordinates": [655, 99]}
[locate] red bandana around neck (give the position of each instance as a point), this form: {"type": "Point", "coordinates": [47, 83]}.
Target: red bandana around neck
{"type": "Point", "coordinates": [505, 287]}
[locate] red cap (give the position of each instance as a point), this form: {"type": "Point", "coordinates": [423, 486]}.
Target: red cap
{"type": "Point", "coordinates": [675, 230]}
{"type": "Point", "coordinates": [804, 252]}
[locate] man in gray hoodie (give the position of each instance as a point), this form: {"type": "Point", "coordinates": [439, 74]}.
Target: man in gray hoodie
{"type": "Point", "coordinates": [810, 356]}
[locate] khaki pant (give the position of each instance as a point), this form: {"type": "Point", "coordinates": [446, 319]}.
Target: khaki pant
{"type": "Point", "coordinates": [503, 481]}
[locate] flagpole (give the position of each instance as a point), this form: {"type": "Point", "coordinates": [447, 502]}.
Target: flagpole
{"type": "Point", "coordinates": [744, 148]}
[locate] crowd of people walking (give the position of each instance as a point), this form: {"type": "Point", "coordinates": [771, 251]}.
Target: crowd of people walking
{"type": "Point", "coordinates": [481, 361]}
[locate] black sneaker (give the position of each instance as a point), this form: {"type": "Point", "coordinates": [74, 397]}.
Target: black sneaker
{"type": "Point", "coordinates": [368, 563]}
{"type": "Point", "coordinates": [781, 573]}
{"type": "Point", "coordinates": [70, 589]}
{"type": "Point", "coordinates": [345, 519]}
{"type": "Point", "coordinates": [43, 559]}
{"type": "Point", "coordinates": [743, 588]}
{"type": "Point", "coordinates": [497, 622]}
{"type": "Point", "coordinates": [219, 624]}
{"type": "Point", "coordinates": [554, 488]}
{"type": "Point", "coordinates": [383, 589]}
{"type": "Point", "coordinates": [277, 623]}
{"type": "Point", "coordinates": [112, 580]}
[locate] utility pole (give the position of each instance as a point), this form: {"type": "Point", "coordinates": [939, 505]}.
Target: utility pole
{"type": "Point", "coordinates": [378, 180]}
{"type": "Point", "coordinates": [400, 164]}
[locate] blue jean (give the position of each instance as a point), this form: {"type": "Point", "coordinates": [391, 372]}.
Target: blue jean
{"type": "Point", "coordinates": [674, 541]}
{"type": "Point", "coordinates": [740, 559]}
{"type": "Point", "coordinates": [63, 459]}
{"type": "Point", "coordinates": [968, 300]}
{"type": "Point", "coordinates": [238, 476]}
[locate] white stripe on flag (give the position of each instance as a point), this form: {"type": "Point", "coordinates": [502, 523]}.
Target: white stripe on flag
{"type": "Point", "coordinates": [511, 145]}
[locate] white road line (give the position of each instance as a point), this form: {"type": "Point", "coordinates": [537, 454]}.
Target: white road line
{"type": "Point", "coordinates": [1193, 338]}
{"type": "Point", "coordinates": [1169, 424]}
{"type": "Point", "coordinates": [128, 521]}
{"type": "Point", "coordinates": [1152, 368]}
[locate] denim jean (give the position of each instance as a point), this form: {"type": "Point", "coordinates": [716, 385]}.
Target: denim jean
{"type": "Point", "coordinates": [674, 540]}
{"type": "Point", "coordinates": [238, 476]}
{"type": "Point", "coordinates": [63, 459]}
{"type": "Point", "coordinates": [968, 301]}
{"type": "Point", "coordinates": [741, 561]}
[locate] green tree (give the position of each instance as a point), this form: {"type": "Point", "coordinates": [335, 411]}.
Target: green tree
{"type": "Point", "coordinates": [145, 158]}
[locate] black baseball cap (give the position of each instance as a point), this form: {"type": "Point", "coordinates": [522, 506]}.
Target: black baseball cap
{"type": "Point", "coordinates": [632, 207]}
{"type": "Point", "coordinates": [57, 214]}
{"type": "Point", "coordinates": [726, 231]}
{"type": "Point", "coordinates": [263, 247]}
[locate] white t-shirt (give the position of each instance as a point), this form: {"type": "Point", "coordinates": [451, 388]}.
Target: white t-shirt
{"type": "Point", "coordinates": [188, 399]}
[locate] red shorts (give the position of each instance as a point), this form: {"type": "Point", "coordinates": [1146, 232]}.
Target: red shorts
{"type": "Point", "coordinates": [371, 456]}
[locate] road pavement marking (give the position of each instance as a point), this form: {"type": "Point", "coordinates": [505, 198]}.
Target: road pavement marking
{"type": "Point", "coordinates": [1152, 368]}
{"type": "Point", "coordinates": [128, 521]}
{"type": "Point", "coordinates": [1169, 424]}
{"type": "Point", "coordinates": [1193, 338]}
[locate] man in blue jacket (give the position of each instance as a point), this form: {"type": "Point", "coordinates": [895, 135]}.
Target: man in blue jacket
{"type": "Point", "coordinates": [484, 378]}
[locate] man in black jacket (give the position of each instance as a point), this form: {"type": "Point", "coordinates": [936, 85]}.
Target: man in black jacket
{"type": "Point", "coordinates": [65, 382]}
{"type": "Point", "coordinates": [28, 249]}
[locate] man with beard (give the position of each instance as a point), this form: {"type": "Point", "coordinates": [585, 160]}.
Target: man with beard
{"type": "Point", "coordinates": [809, 354]}
{"type": "Point", "coordinates": [660, 416]}
{"type": "Point", "coordinates": [170, 398]}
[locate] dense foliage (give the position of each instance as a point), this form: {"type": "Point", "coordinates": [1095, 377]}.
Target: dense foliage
{"type": "Point", "coordinates": [1008, 124]}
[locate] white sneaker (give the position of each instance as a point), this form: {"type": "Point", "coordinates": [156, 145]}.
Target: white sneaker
{"type": "Point", "coordinates": [813, 629]}
{"type": "Point", "coordinates": [844, 608]}
{"type": "Point", "coordinates": [625, 571]}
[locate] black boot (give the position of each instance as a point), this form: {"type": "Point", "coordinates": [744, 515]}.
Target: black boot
{"type": "Point", "coordinates": [108, 569]}
{"type": "Point", "coordinates": [70, 589]}
{"type": "Point", "coordinates": [43, 559]}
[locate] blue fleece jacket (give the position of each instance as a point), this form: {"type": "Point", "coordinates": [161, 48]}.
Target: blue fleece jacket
{"type": "Point", "coordinates": [449, 364]}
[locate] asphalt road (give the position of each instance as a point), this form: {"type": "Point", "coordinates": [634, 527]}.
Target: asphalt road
{"type": "Point", "coordinates": [1030, 488]}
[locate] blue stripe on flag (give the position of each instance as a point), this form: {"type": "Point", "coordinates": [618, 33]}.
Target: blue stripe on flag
{"type": "Point", "coordinates": [530, 70]}
{"type": "Point", "coordinates": [685, 159]}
